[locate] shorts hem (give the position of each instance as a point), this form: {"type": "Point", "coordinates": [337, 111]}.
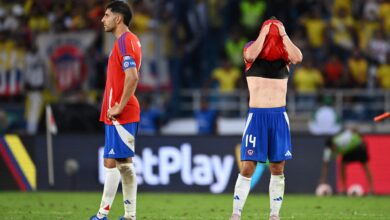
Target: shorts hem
{"type": "Point", "coordinates": [117, 157]}
{"type": "Point", "coordinates": [283, 159]}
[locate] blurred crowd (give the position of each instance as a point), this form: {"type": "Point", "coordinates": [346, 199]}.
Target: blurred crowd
{"type": "Point", "coordinates": [190, 44]}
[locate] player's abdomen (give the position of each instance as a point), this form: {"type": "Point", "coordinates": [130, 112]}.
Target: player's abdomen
{"type": "Point", "coordinates": [267, 93]}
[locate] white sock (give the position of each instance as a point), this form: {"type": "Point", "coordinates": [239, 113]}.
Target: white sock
{"type": "Point", "coordinates": [241, 191]}
{"type": "Point", "coordinates": [110, 188]}
{"type": "Point", "coordinates": [276, 193]}
{"type": "Point", "coordinates": [129, 188]}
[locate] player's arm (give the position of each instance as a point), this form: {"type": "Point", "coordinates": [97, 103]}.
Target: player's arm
{"type": "Point", "coordinates": [129, 86]}
{"type": "Point", "coordinates": [254, 50]}
{"type": "Point", "coordinates": [294, 53]}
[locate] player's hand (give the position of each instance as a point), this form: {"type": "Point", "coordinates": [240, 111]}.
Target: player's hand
{"type": "Point", "coordinates": [282, 31]}
{"type": "Point", "coordinates": [114, 111]}
{"type": "Point", "coordinates": [265, 29]}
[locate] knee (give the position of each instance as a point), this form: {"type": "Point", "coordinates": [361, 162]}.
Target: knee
{"type": "Point", "coordinates": [125, 168]}
{"type": "Point", "coordinates": [277, 169]}
{"type": "Point", "coordinates": [109, 163]}
{"type": "Point", "coordinates": [248, 169]}
{"type": "Point", "coordinates": [127, 172]}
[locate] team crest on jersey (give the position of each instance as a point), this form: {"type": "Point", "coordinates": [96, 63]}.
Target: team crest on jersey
{"type": "Point", "coordinates": [250, 152]}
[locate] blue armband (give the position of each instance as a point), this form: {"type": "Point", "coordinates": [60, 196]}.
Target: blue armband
{"type": "Point", "coordinates": [128, 62]}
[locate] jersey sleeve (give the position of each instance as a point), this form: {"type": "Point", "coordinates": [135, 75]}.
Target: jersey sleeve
{"type": "Point", "coordinates": [127, 52]}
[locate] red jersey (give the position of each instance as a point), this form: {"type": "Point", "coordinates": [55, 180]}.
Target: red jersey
{"type": "Point", "coordinates": [125, 54]}
{"type": "Point", "coordinates": [273, 47]}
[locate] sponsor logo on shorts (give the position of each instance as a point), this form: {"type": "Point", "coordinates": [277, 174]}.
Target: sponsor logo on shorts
{"type": "Point", "coordinates": [288, 154]}
{"type": "Point", "coordinates": [111, 151]}
{"type": "Point", "coordinates": [250, 152]}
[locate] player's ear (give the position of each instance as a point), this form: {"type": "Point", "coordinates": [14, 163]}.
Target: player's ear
{"type": "Point", "coordinates": [117, 19]}
{"type": "Point", "coordinates": [120, 18]}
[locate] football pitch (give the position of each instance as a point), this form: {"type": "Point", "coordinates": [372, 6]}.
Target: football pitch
{"type": "Point", "coordinates": [188, 206]}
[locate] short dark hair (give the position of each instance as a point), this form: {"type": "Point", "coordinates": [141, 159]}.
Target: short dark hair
{"type": "Point", "coordinates": [122, 8]}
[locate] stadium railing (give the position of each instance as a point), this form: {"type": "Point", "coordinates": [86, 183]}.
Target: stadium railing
{"type": "Point", "coordinates": [350, 104]}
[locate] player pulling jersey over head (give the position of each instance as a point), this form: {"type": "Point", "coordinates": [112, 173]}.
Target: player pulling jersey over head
{"type": "Point", "coordinates": [273, 44]}
{"type": "Point", "coordinates": [267, 131]}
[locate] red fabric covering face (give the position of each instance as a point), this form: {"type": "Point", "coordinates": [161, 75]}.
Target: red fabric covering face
{"type": "Point", "coordinates": [273, 48]}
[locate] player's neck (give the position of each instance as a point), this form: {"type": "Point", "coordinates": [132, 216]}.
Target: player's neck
{"type": "Point", "coordinates": [120, 29]}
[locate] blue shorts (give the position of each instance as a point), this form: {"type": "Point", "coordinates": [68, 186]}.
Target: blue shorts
{"type": "Point", "coordinates": [266, 135]}
{"type": "Point", "coordinates": [119, 146]}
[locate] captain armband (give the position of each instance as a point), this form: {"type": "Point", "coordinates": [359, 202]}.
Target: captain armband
{"type": "Point", "coordinates": [128, 62]}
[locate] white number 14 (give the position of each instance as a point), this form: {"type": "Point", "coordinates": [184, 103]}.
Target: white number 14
{"type": "Point", "coordinates": [251, 139]}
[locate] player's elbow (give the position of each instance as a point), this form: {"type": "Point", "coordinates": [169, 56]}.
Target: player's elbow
{"type": "Point", "coordinates": [296, 57]}
{"type": "Point", "coordinates": [131, 79]}
{"type": "Point", "coordinates": [132, 75]}
{"type": "Point", "coordinates": [135, 78]}
{"type": "Point", "coordinates": [249, 58]}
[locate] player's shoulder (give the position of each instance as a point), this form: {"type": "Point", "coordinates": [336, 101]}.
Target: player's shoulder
{"type": "Point", "coordinates": [131, 36]}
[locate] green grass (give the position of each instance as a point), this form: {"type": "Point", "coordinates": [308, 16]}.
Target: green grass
{"type": "Point", "coordinates": [159, 206]}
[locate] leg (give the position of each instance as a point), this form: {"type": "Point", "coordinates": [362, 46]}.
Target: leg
{"type": "Point", "coordinates": [276, 188]}
{"type": "Point", "coordinates": [324, 172]}
{"type": "Point", "coordinates": [110, 187]}
{"type": "Point", "coordinates": [369, 178]}
{"type": "Point", "coordinates": [343, 177]}
{"type": "Point", "coordinates": [35, 100]}
{"type": "Point", "coordinates": [242, 188]}
{"type": "Point", "coordinates": [129, 186]}
{"type": "Point", "coordinates": [325, 165]}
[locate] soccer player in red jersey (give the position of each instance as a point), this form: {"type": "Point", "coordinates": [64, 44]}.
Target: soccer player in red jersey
{"type": "Point", "coordinates": [120, 111]}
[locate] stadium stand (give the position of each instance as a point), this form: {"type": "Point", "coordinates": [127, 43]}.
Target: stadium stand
{"type": "Point", "coordinates": [55, 52]}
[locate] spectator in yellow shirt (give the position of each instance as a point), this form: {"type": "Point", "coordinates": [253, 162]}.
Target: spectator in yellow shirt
{"type": "Point", "coordinates": [226, 75]}
{"type": "Point", "coordinates": [342, 4]}
{"type": "Point", "coordinates": [227, 78]}
{"type": "Point", "coordinates": [38, 20]}
{"type": "Point", "coordinates": [383, 74]}
{"type": "Point", "coordinates": [252, 12]}
{"type": "Point", "coordinates": [384, 14]}
{"type": "Point", "coordinates": [233, 47]}
{"type": "Point", "coordinates": [357, 68]}
{"type": "Point", "coordinates": [342, 26]}
{"type": "Point", "coordinates": [315, 28]}
{"type": "Point", "coordinates": [307, 81]}
{"type": "Point", "coordinates": [307, 78]}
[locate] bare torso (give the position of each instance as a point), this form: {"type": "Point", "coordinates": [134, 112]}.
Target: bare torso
{"type": "Point", "coordinates": [266, 93]}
